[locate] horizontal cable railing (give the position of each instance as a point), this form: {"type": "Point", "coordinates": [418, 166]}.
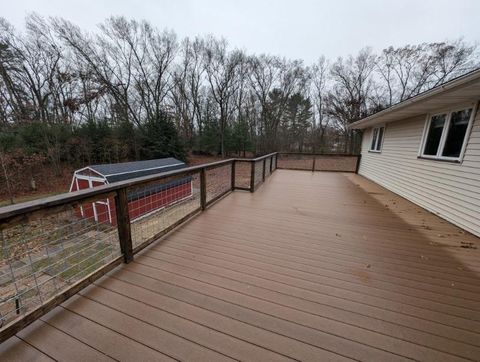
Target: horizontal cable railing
{"type": "Point", "coordinates": [53, 247]}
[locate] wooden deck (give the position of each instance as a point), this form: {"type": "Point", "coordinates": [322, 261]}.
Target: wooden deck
{"type": "Point", "coordinates": [311, 267]}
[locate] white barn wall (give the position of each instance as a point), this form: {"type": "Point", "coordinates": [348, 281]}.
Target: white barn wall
{"type": "Point", "coordinates": [450, 190]}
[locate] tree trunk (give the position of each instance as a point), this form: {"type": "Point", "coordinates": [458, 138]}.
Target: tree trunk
{"type": "Point", "coordinates": [7, 180]}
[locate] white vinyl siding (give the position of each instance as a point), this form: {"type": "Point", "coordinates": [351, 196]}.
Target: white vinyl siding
{"type": "Point", "coordinates": [450, 190]}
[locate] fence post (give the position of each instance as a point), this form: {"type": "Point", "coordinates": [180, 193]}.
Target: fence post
{"type": "Point", "coordinates": [276, 161]}
{"type": "Point", "coordinates": [123, 225]}
{"type": "Point", "coordinates": [264, 167]}
{"type": "Point", "coordinates": [203, 189]}
{"type": "Point", "coordinates": [313, 166]}
{"type": "Point", "coordinates": [271, 164]}
{"type": "Point", "coordinates": [233, 175]}
{"type": "Point", "coordinates": [252, 176]}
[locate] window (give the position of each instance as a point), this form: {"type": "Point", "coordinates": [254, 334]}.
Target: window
{"type": "Point", "coordinates": [377, 139]}
{"type": "Point", "coordinates": [434, 134]}
{"type": "Point", "coordinates": [457, 129]}
{"type": "Point", "coordinates": [446, 134]}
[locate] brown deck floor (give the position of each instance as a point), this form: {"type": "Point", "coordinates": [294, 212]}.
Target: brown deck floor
{"type": "Point", "coordinates": [311, 267]}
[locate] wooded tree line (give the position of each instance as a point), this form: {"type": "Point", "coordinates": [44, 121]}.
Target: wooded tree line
{"type": "Point", "coordinates": [132, 91]}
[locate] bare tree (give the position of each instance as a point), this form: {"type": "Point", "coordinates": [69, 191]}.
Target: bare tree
{"type": "Point", "coordinates": [412, 69]}
{"type": "Point", "coordinates": [221, 68]}
{"type": "Point", "coordinates": [319, 78]}
{"type": "Point", "coordinates": [186, 93]}
{"type": "Point", "coordinates": [348, 100]}
{"type": "Point", "coordinates": [264, 76]}
{"type": "Point", "coordinates": [30, 65]}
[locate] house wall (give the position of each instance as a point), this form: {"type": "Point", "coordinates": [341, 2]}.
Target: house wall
{"type": "Point", "coordinates": [450, 190]}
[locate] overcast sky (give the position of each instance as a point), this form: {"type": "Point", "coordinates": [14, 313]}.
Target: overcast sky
{"type": "Point", "coordinates": [301, 29]}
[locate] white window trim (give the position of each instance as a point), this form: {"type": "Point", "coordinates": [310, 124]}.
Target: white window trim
{"type": "Point", "coordinates": [443, 138]}
{"type": "Point", "coordinates": [374, 150]}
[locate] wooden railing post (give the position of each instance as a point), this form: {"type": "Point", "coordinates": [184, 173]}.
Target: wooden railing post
{"type": "Point", "coordinates": [271, 164]}
{"type": "Point", "coordinates": [252, 176]}
{"type": "Point", "coordinates": [203, 189]}
{"type": "Point", "coordinates": [313, 166]}
{"type": "Point", "coordinates": [276, 161]}
{"type": "Point", "coordinates": [264, 167]}
{"type": "Point", "coordinates": [233, 175]}
{"type": "Point", "coordinates": [123, 225]}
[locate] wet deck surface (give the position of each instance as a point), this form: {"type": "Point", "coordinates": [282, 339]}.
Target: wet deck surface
{"type": "Point", "coordinates": [311, 267]}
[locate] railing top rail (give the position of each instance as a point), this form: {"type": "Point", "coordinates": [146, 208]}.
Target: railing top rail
{"type": "Point", "coordinates": [257, 158]}
{"type": "Point", "coordinates": [11, 211]}
{"type": "Point", "coordinates": [320, 154]}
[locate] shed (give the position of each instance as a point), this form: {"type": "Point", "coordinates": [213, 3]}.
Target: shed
{"type": "Point", "coordinates": [427, 149]}
{"type": "Point", "coordinates": [141, 201]}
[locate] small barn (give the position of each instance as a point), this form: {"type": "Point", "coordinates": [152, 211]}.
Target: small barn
{"type": "Point", "coordinates": [141, 201]}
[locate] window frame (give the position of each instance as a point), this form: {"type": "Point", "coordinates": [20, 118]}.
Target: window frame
{"type": "Point", "coordinates": [446, 127]}
{"type": "Point", "coordinates": [374, 150]}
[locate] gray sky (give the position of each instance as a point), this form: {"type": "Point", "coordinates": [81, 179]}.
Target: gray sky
{"type": "Point", "coordinates": [301, 29]}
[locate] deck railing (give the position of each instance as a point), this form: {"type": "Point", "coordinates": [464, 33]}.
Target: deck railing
{"type": "Point", "coordinates": [53, 247]}
{"type": "Point", "coordinates": [318, 162]}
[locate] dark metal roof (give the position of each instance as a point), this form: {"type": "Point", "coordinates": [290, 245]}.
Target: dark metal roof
{"type": "Point", "coordinates": [115, 172]}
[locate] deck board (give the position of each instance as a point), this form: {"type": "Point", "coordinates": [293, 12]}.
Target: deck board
{"type": "Point", "coordinates": [99, 337]}
{"type": "Point", "coordinates": [59, 345]}
{"type": "Point", "coordinates": [16, 349]}
{"type": "Point", "coordinates": [312, 266]}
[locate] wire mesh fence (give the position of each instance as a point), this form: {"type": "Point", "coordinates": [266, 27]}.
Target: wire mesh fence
{"type": "Point", "coordinates": [295, 161]}
{"type": "Point", "coordinates": [43, 257]}
{"type": "Point", "coordinates": [268, 164]}
{"type": "Point", "coordinates": [49, 251]}
{"type": "Point", "coordinates": [155, 207]}
{"type": "Point", "coordinates": [336, 163]}
{"type": "Point", "coordinates": [219, 181]}
{"type": "Point", "coordinates": [258, 173]}
{"type": "Point", "coordinates": [242, 174]}
{"type": "Point", "coordinates": [310, 162]}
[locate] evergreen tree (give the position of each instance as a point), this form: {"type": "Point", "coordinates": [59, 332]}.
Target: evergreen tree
{"type": "Point", "coordinates": [159, 138]}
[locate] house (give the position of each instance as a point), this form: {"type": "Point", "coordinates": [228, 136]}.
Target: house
{"type": "Point", "coordinates": [140, 201]}
{"type": "Point", "coordinates": [427, 149]}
